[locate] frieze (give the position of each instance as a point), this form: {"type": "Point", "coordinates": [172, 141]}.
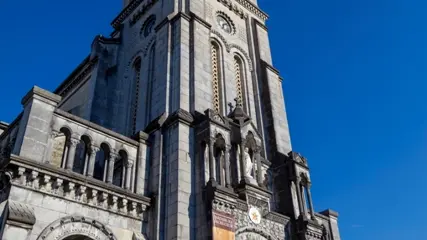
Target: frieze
{"type": "Point", "coordinates": [276, 217]}
{"type": "Point", "coordinates": [129, 9]}
{"type": "Point", "coordinates": [246, 4]}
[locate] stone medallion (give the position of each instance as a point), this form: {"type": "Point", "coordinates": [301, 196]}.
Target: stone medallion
{"type": "Point", "coordinates": [254, 215]}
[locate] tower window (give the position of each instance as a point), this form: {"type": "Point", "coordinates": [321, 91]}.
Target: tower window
{"type": "Point", "coordinates": [216, 77]}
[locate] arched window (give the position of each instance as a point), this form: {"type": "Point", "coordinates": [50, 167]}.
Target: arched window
{"type": "Point", "coordinates": [135, 99]}
{"type": "Point", "coordinates": [82, 155]}
{"type": "Point", "coordinates": [119, 173]}
{"type": "Point", "coordinates": [216, 77]}
{"type": "Point", "coordinates": [101, 160]}
{"type": "Point", "coordinates": [150, 83]}
{"type": "Point", "coordinates": [239, 78]}
{"type": "Point", "coordinates": [59, 147]}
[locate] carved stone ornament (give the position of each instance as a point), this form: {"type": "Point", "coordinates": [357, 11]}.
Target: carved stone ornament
{"type": "Point", "coordinates": [254, 215]}
{"type": "Point", "coordinates": [76, 226]}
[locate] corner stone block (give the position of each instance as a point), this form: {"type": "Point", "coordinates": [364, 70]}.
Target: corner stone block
{"type": "Point", "coordinates": [34, 127]}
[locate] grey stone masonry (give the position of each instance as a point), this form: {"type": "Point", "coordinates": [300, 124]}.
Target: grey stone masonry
{"type": "Point", "coordinates": [173, 127]}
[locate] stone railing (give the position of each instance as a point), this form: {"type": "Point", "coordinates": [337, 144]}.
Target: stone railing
{"type": "Point", "coordinates": [64, 184]}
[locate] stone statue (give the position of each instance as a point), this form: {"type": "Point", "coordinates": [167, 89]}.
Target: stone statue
{"type": "Point", "coordinates": [249, 163]}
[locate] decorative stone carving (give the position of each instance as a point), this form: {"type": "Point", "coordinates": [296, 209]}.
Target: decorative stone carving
{"type": "Point", "coordinates": [74, 226]}
{"type": "Point", "coordinates": [249, 164]}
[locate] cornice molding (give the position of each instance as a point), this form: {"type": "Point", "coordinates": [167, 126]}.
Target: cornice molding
{"type": "Point", "coordinates": [126, 12]}
{"type": "Point", "coordinates": [246, 4]}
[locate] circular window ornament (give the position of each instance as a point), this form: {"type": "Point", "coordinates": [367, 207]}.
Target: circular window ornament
{"type": "Point", "coordinates": [254, 215]}
{"type": "Point", "coordinates": [225, 23]}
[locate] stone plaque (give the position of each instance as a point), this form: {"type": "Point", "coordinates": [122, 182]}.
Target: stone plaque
{"type": "Point", "coordinates": [224, 226]}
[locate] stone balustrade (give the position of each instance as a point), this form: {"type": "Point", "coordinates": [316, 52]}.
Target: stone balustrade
{"type": "Point", "coordinates": [61, 183]}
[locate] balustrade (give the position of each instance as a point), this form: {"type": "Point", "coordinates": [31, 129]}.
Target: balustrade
{"type": "Point", "coordinates": [76, 188]}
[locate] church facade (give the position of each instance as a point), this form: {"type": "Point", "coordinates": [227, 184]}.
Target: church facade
{"type": "Point", "coordinates": [173, 127]}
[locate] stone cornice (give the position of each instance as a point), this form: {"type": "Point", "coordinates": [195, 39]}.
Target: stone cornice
{"type": "Point", "coordinates": [127, 11]}
{"type": "Point", "coordinates": [196, 18]}
{"type": "Point", "coordinates": [76, 76]}
{"type": "Point", "coordinates": [181, 116]}
{"type": "Point", "coordinates": [3, 125]}
{"type": "Point", "coordinates": [329, 213]}
{"type": "Point", "coordinates": [96, 127]}
{"type": "Point", "coordinates": [277, 217]}
{"type": "Point", "coordinates": [248, 5]}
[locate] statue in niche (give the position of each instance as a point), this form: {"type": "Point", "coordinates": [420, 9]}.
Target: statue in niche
{"type": "Point", "coordinates": [249, 164]}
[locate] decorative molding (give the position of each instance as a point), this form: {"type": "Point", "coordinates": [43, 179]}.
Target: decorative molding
{"type": "Point", "coordinates": [245, 54]}
{"type": "Point", "coordinates": [127, 11]}
{"type": "Point", "coordinates": [222, 38]}
{"type": "Point", "coordinates": [234, 7]}
{"type": "Point", "coordinates": [63, 184]}
{"type": "Point", "coordinates": [251, 7]}
{"type": "Point", "coordinates": [229, 20]}
{"type": "Point", "coordinates": [179, 115]}
{"type": "Point", "coordinates": [76, 225]}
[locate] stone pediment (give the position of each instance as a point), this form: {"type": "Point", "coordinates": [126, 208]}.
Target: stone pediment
{"type": "Point", "coordinates": [249, 126]}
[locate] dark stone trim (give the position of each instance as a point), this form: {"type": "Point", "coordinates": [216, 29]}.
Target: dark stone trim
{"type": "Point", "coordinates": [329, 212]}
{"type": "Point", "coordinates": [277, 217]}
{"type": "Point", "coordinates": [181, 116]}
{"type": "Point", "coordinates": [19, 224]}
{"type": "Point", "coordinates": [3, 125]}
{"type": "Point", "coordinates": [198, 19]}
{"type": "Point", "coordinates": [161, 24]}
{"type": "Point", "coordinates": [271, 68]}
{"type": "Point", "coordinates": [96, 127]}
{"type": "Point", "coordinates": [69, 175]}
{"type": "Point", "coordinates": [156, 124]}
{"type": "Point", "coordinates": [262, 25]}
{"type": "Point", "coordinates": [180, 15]}
{"type": "Point", "coordinates": [41, 92]}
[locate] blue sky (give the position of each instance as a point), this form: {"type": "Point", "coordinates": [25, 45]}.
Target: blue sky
{"type": "Point", "coordinates": [355, 87]}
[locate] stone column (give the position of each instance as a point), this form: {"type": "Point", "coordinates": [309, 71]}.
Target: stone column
{"type": "Point", "coordinates": [211, 160]}
{"type": "Point", "coordinates": [299, 195]}
{"type": "Point", "coordinates": [112, 159]}
{"type": "Point", "coordinates": [92, 158]}
{"type": "Point", "coordinates": [310, 200]}
{"type": "Point", "coordinates": [304, 200]}
{"type": "Point", "coordinates": [259, 173]}
{"type": "Point", "coordinates": [129, 165]}
{"type": "Point", "coordinates": [72, 144]}
{"type": "Point", "coordinates": [227, 166]}
{"type": "Point", "coordinates": [242, 161]}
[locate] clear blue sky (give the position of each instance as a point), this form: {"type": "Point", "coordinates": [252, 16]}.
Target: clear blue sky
{"type": "Point", "coordinates": [355, 85]}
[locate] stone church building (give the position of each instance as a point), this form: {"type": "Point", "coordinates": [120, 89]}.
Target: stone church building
{"type": "Point", "coordinates": [173, 127]}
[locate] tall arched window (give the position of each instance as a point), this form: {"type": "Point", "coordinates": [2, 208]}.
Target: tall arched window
{"type": "Point", "coordinates": [216, 77]}
{"type": "Point", "coordinates": [150, 83]}
{"type": "Point", "coordinates": [134, 106]}
{"type": "Point", "coordinates": [239, 77]}
{"type": "Point", "coordinates": [101, 160]}
{"type": "Point", "coordinates": [82, 155]}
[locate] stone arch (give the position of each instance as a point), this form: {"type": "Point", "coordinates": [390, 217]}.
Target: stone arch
{"type": "Point", "coordinates": [60, 140]}
{"type": "Point", "coordinates": [218, 83]}
{"type": "Point", "coordinates": [243, 54]}
{"type": "Point", "coordinates": [215, 35]}
{"type": "Point", "coordinates": [76, 226]}
{"type": "Point", "coordinates": [256, 233]}
{"type": "Point", "coordinates": [101, 161]}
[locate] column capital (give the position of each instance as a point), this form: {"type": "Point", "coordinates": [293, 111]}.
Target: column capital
{"type": "Point", "coordinates": [113, 155]}
{"type": "Point", "coordinates": [129, 164]}
{"type": "Point", "coordinates": [73, 141]}
{"type": "Point", "coordinates": [94, 149]}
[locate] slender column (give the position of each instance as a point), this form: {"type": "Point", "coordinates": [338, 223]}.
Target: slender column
{"type": "Point", "coordinates": [110, 173]}
{"type": "Point", "coordinates": [242, 161]}
{"type": "Point", "coordinates": [221, 168]}
{"type": "Point", "coordinates": [129, 165]}
{"type": "Point", "coordinates": [310, 200]}
{"type": "Point", "coordinates": [211, 160]}
{"type": "Point", "coordinates": [227, 166]}
{"type": "Point", "coordinates": [87, 159]}
{"type": "Point", "coordinates": [304, 201]}
{"type": "Point", "coordinates": [259, 166]}
{"type": "Point", "coordinates": [122, 184]}
{"type": "Point", "coordinates": [92, 158]}
{"type": "Point", "coordinates": [299, 195]}
{"type": "Point", "coordinates": [72, 144]}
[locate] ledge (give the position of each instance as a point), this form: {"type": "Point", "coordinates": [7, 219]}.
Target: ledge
{"type": "Point", "coordinates": [3, 125]}
{"type": "Point", "coordinates": [329, 213]}
{"type": "Point", "coordinates": [42, 93]}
